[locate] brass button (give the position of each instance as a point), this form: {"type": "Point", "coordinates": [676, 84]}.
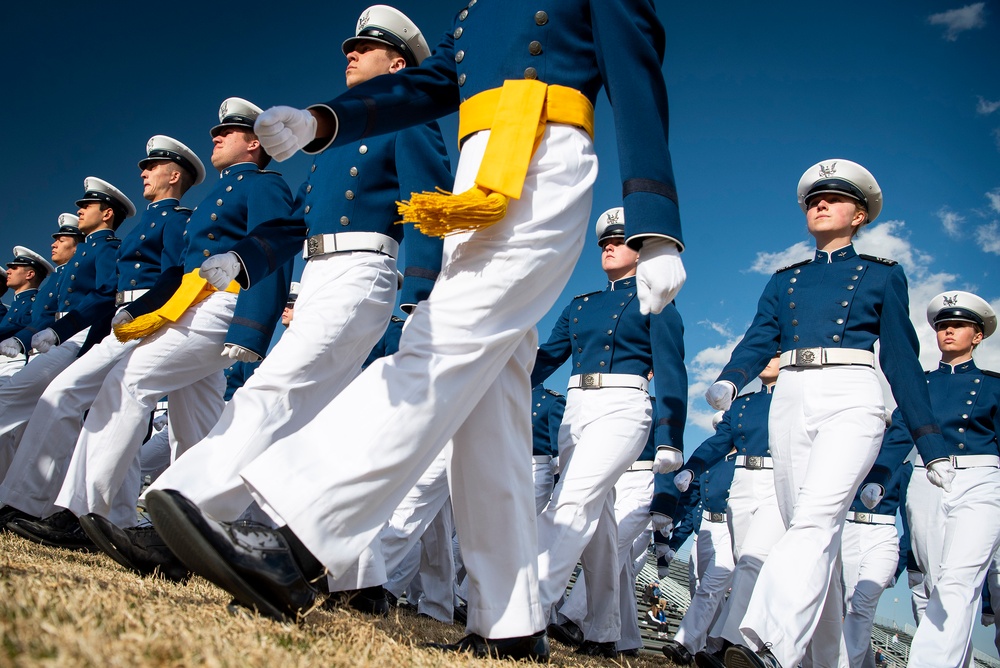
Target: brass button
{"type": "Point", "coordinates": [836, 338]}
{"type": "Point", "coordinates": [840, 321]}
{"type": "Point", "coordinates": [211, 236]}
{"type": "Point", "coordinates": [308, 208]}
{"type": "Point", "coordinates": [229, 189]}
{"type": "Point", "coordinates": [142, 237]}
{"type": "Point", "coordinates": [461, 79]}
{"type": "Point", "coordinates": [791, 290]}
{"type": "Point", "coordinates": [309, 188]}
{"type": "Point", "coordinates": [793, 280]}
{"type": "Point", "coordinates": [214, 217]}
{"type": "Point", "coordinates": [132, 282]}
{"type": "Point", "coordinates": [349, 194]}
{"type": "Point", "coordinates": [239, 178]}
{"type": "Point", "coordinates": [530, 73]}
{"type": "Point", "coordinates": [798, 271]}
{"type": "Point", "coordinates": [535, 48]}
{"type": "Point", "coordinates": [791, 304]}
{"type": "Point", "coordinates": [353, 171]}
{"type": "Point", "coordinates": [541, 18]}
{"type": "Point", "coordinates": [463, 14]}
{"type": "Point", "coordinates": [795, 323]}
{"type": "Point", "coordinates": [344, 220]}
{"type": "Point", "coordinates": [844, 304]}
{"type": "Point", "coordinates": [205, 253]}
{"type": "Point", "coordinates": [218, 202]}
{"type": "Point", "coordinates": [362, 149]}
{"type": "Point", "coordinates": [313, 168]}
{"type": "Point", "coordinates": [457, 33]}
{"type": "Point", "coordinates": [459, 56]}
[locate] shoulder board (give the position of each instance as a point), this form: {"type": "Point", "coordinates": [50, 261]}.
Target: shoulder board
{"type": "Point", "coordinates": [587, 294]}
{"type": "Point", "coordinates": [112, 238]}
{"type": "Point", "coordinates": [872, 258]}
{"type": "Point", "coordinates": [792, 266]}
{"type": "Point", "coordinates": [991, 374]}
{"type": "Point", "coordinates": [183, 209]}
{"type": "Point", "coordinates": [268, 171]}
{"type": "Point", "coordinates": [396, 318]}
{"type": "Point", "coordinates": [553, 392]}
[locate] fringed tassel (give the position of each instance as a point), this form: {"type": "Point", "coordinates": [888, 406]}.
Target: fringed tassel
{"type": "Point", "coordinates": [142, 326]}
{"type": "Point", "coordinates": [441, 213]}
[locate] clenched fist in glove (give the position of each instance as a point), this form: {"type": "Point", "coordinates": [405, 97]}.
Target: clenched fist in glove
{"type": "Point", "coordinates": [665, 552]}
{"type": "Point", "coordinates": [667, 459]}
{"type": "Point", "coordinates": [121, 318]}
{"type": "Point", "coordinates": [662, 523]}
{"type": "Point", "coordinates": [871, 495]}
{"type": "Point", "coordinates": [45, 340]}
{"type": "Point", "coordinates": [683, 480]}
{"type": "Point", "coordinates": [720, 396]}
{"type": "Point", "coordinates": [239, 353]}
{"type": "Point", "coordinates": [659, 276]}
{"type": "Point", "coordinates": [10, 347]}
{"type": "Point", "coordinates": [220, 270]}
{"type": "Point", "coordinates": [941, 473]}
{"type": "Point", "coordinates": [284, 130]}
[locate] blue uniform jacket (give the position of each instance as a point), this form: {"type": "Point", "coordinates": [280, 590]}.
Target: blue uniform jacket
{"type": "Point", "coordinates": [354, 188]}
{"type": "Point", "coordinates": [743, 427]}
{"type": "Point", "coordinates": [688, 510]}
{"type": "Point", "coordinates": [243, 198]}
{"type": "Point", "coordinates": [582, 44]}
{"type": "Point", "coordinates": [19, 315]}
{"type": "Point", "coordinates": [43, 308]}
{"type": "Point", "coordinates": [237, 375]}
{"type": "Point", "coordinates": [894, 491]}
{"type": "Point", "coordinates": [843, 300]}
{"type": "Point", "coordinates": [603, 332]}
{"type": "Point", "coordinates": [3, 311]}
{"type": "Point", "coordinates": [389, 343]}
{"type": "Point", "coordinates": [547, 409]}
{"type": "Point", "coordinates": [715, 484]}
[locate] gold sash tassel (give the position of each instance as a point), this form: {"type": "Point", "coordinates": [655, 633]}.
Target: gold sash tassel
{"type": "Point", "coordinates": [193, 289]}
{"type": "Point", "coordinates": [515, 115]}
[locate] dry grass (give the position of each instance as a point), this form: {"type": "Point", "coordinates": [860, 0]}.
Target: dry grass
{"type": "Point", "coordinates": [60, 608]}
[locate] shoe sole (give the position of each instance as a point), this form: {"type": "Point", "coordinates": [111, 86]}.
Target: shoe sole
{"type": "Point", "coordinates": [27, 535]}
{"type": "Point", "coordinates": [96, 534]}
{"type": "Point", "coordinates": [190, 546]}
{"type": "Point", "coordinates": [736, 658]}
{"type": "Point", "coordinates": [702, 661]}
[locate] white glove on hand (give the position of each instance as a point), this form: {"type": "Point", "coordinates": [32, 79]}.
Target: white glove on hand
{"type": "Point", "coordinates": [121, 318]}
{"type": "Point", "coordinates": [662, 523]}
{"type": "Point", "coordinates": [10, 347]}
{"type": "Point", "coordinates": [284, 130]}
{"type": "Point", "coordinates": [871, 495]}
{"type": "Point", "coordinates": [45, 340]}
{"type": "Point", "coordinates": [663, 551]}
{"type": "Point", "coordinates": [683, 480]}
{"type": "Point", "coordinates": [239, 353]}
{"type": "Point", "coordinates": [941, 473]}
{"type": "Point", "coordinates": [667, 460]}
{"type": "Point", "coordinates": [220, 270]}
{"type": "Point", "coordinates": [914, 578]}
{"type": "Point", "coordinates": [720, 396]}
{"type": "Point", "coordinates": [892, 582]}
{"type": "Point", "coordinates": [659, 276]}
{"type": "Point", "coordinates": [986, 619]}
{"type": "Point", "coordinates": [160, 421]}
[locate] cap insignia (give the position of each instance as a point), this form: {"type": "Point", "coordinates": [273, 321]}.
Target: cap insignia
{"type": "Point", "coordinates": [950, 301]}
{"type": "Point", "coordinates": [827, 171]}
{"type": "Point", "coordinates": [613, 218]}
{"type": "Point", "coordinates": [363, 21]}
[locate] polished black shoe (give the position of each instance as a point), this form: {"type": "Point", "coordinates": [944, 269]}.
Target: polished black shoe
{"type": "Point", "coordinates": [629, 653]}
{"type": "Point", "coordinates": [739, 656]}
{"type": "Point", "coordinates": [530, 648]}
{"type": "Point", "coordinates": [461, 614]}
{"type": "Point", "coordinates": [253, 563]}
{"type": "Point", "coordinates": [605, 650]}
{"type": "Point", "coordinates": [10, 513]}
{"type": "Point", "coordinates": [705, 659]}
{"type": "Point", "coordinates": [370, 600]}
{"type": "Point", "coordinates": [59, 530]}
{"type": "Point", "coordinates": [677, 653]}
{"type": "Point", "coordinates": [139, 549]}
{"type": "Point", "coordinates": [567, 633]}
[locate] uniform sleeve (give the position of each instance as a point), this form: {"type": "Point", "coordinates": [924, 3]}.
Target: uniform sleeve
{"type": "Point", "coordinates": [896, 446]}
{"type": "Point", "coordinates": [272, 243]}
{"type": "Point", "coordinates": [422, 165]}
{"type": "Point", "coordinates": [172, 254]}
{"type": "Point", "coordinates": [553, 352]}
{"type": "Point", "coordinates": [43, 310]}
{"type": "Point", "coordinates": [638, 95]}
{"type": "Point", "coordinates": [98, 306]}
{"type": "Point", "coordinates": [666, 332]}
{"type": "Point", "coordinates": [16, 320]}
{"type": "Point", "coordinates": [759, 343]}
{"type": "Point", "coordinates": [898, 355]}
{"type": "Point", "coordinates": [713, 449]}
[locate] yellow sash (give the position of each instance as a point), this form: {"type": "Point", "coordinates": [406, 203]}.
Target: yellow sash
{"type": "Point", "coordinates": [516, 115]}
{"type": "Point", "coordinates": [193, 289]}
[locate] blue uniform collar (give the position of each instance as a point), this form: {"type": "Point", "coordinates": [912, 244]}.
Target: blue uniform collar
{"type": "Point", "coordinates": [767, 389]}
{"type": "Point", "coordinates": [838, 255]}
{"type": "Point", "coordinates": [25, 294]}
{"type": "Point", "coordinates": [166, 201]}
{"type": "Point", "coordinates": [964, 367]}
{"type": "Point", "coordinates": [99, 234]}
{"type": "Point", "coordinates": [621, 284]}
{"type": "Point", "coordinates": [238, 167]}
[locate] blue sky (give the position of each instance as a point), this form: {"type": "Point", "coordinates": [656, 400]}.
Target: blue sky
{"type": "Point", "coordinates": [758, 91]}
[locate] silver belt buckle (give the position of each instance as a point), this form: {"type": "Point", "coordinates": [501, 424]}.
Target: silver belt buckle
{"type": "Point", "coordinates": [864, 518]}
{"type": "Point", "coordinates": [590, 381]}
{"type": "Point", "coordinates": [809, 357]}
{"type": "Point", "coordinates": [315, 245]}
{"type": "Point", "coordinates": [718, 517]}
{"type": "Point", "coordinates": [754, 462]}
{"type": "Point", "coordinates": [119, 298]}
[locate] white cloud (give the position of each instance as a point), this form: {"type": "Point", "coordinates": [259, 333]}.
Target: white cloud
{"type": "Point", "coordinates": [988, 237]}
{"type": "Point", "coordinates": [951, 222]}
{"type": "Point", "coordinates": [994, 197]}
{"type": "Point", "coordinates": [957, 21]}
{"type": "Point", "coordinates": [768, 263]}
{"type": "Point", "coordinates": [720, 328]}
{"type": "Point", "coordinates": [986, 107]}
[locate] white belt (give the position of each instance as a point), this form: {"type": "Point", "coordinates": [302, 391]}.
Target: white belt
{"type": "Point", "coordinates": [61, 314]}
{"type": "Point", "coordinates": [870, 518]}
{"type": "Point", "coordinates": [645, 465]}
{"type": "Point", "coordinates": [541, 459]}
{"type": "Point", "coordinates": [754, 463]}
{"type": "Point", "coordinates": [128, 296]}
{"type": "Point", "coordinates": [343, 242]}
{"type": "Point", "coordinates": [595, 381]}
{"type": "Point", "coordinates": [967, 461]}
{"type": "Point", "coordinates": [817, 357]}
{"type": "Point", "coordinates": [713, 517]}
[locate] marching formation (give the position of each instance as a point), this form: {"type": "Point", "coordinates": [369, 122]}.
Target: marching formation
{"type": "Point", "coordinates": [350, 463]}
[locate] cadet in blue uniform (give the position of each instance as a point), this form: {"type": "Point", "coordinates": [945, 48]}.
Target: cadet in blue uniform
{"type": "Point", "coordinates": [168, 169]}
{"type": "Point", "coordinates": [955, 532]}
{"type": "Point", "coordinates": [24, 274]}
{"type": "Point", "coordinates": [547, 408]}
{"type": "Point", "coordinates": [202, 330]}
{"type": "Point", "coordinates": [827, 415]}
{"type": "Point", "coordinates": [612, 348]}
{"type": "Point", "coordinates": [463, 362]}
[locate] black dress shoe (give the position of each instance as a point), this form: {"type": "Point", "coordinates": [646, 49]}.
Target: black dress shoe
{"type": "Point", "coordinates": [139, 549]}
{"type": "Point", "coordinates": [629, 653]}
{"type": "Point", "coordinates": [605, 650]}
{"type": "Point", "coordinates": [531, 648]}
{"type": "Point", "coordinates": [677, 653]}
{"type": "Point", "coordinates": [705, 659]}
{"type": "Point", "coordinates": [59, 530]}
{"type": "Point", "coordinates": [370, 600]}
{"type": "Point", "coordinates": [10, 513]}
{"type": "Point", "coordinates": [567, 633]}
{"type": "Point", "coordinates": [739, 656]}
{"type": "Point", "coordinates": [461, 614]}
{"type": "Point", "coordinates": [253, 563]}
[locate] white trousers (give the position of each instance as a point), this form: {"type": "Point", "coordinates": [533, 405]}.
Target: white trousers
{"type": "Point", "coordinates": [715, 572]}
{"type": "Point", "coordinates": [461, 372]}
{"type": "Point", "coordinates": [20, 393]}
{"type": "Point", "coordinates": [825, 429]}
{"type": "Point", "coordinates": [993, 582]}
{"type": "Point", "coordinates": [970, 537]}
{"type": "Point", "coordinates": [602, 433]}
{"type": "Point", "coordinates": [9, 366]}
{"type": "Point", "coordinates": [543, 474]}
{"type": "Point", "coordinates": [755, 524]}
{"type": "Point", "coordinates": [155, 455]}
{"type": "Point", "coordinates": [925, 514]}
{"type": "Point", "coordinates": [870, 554]}
{"type": "Point", "coordinates": [48, 441]}
{"type": "Point", "coordinates": [343, 308]}
{"type": "Point", "coordinates": [633, 494]}
{"type": "Point", "coordinates": [183, 359]}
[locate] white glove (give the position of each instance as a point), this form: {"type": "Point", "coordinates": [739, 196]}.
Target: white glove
{"type": "Point", "coordinates": [220, 270]}
{"type": "Point", "coordinates": [914, 578]}
{"type": "Point", "coordinates": [941, 473]}
{"type": "Point", "coordinates": [554, 463]}
{"type": "Point", "coordinates": [986, 619]}
{"type": "Point", "coordinates": [45, 340]}
{"type": "Point", "coordinates": [720, 396]}
{"type": "Point", "coordinates": [284, 130]}
{"type": "Point", "coordinates": [663, 551]}
{"type": "Point", "coordinates": [667, 459]}
{"type": "Point", "coordinates": [239, 353]}
{"type": "Point", "coordinates": [121, 318]}
{"type": "Point", "coordinates": [871, 495]}
{"type": "Point", "coordinates": [160, 421]}
{"type": "Point", "coordinates": [892, 582]}
{"type": "Point", "coordinates": [662, 523]}
{"type": "Point", "coordinates": [683, 480]}
{"type": "Point", "coordinates": [10, 347]}
{"type": "Point", "coordinates": [659, 276]}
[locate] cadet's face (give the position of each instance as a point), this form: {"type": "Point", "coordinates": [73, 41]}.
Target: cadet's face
{"type": "Point", "coordinates": [156, 178]}
{"type": "Point", "coordinates": [957, 337]}
{"type": "Point", "coordinates": [617, 259]}
{"type": "Point", "coordinates": [64, 247]}
{"type": "Point", "coordinates": [287, 315]}
{"type": "Point", "coordinates": [831, 213]}
{"type": "Point", "coordinates": [17, 276]}
{"type": "Point", "coordinates": [369, 60]}
{"type": "Point", "coordinates": [231, 146]}
{"type": "Point", "coordinates": [91, 217]}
